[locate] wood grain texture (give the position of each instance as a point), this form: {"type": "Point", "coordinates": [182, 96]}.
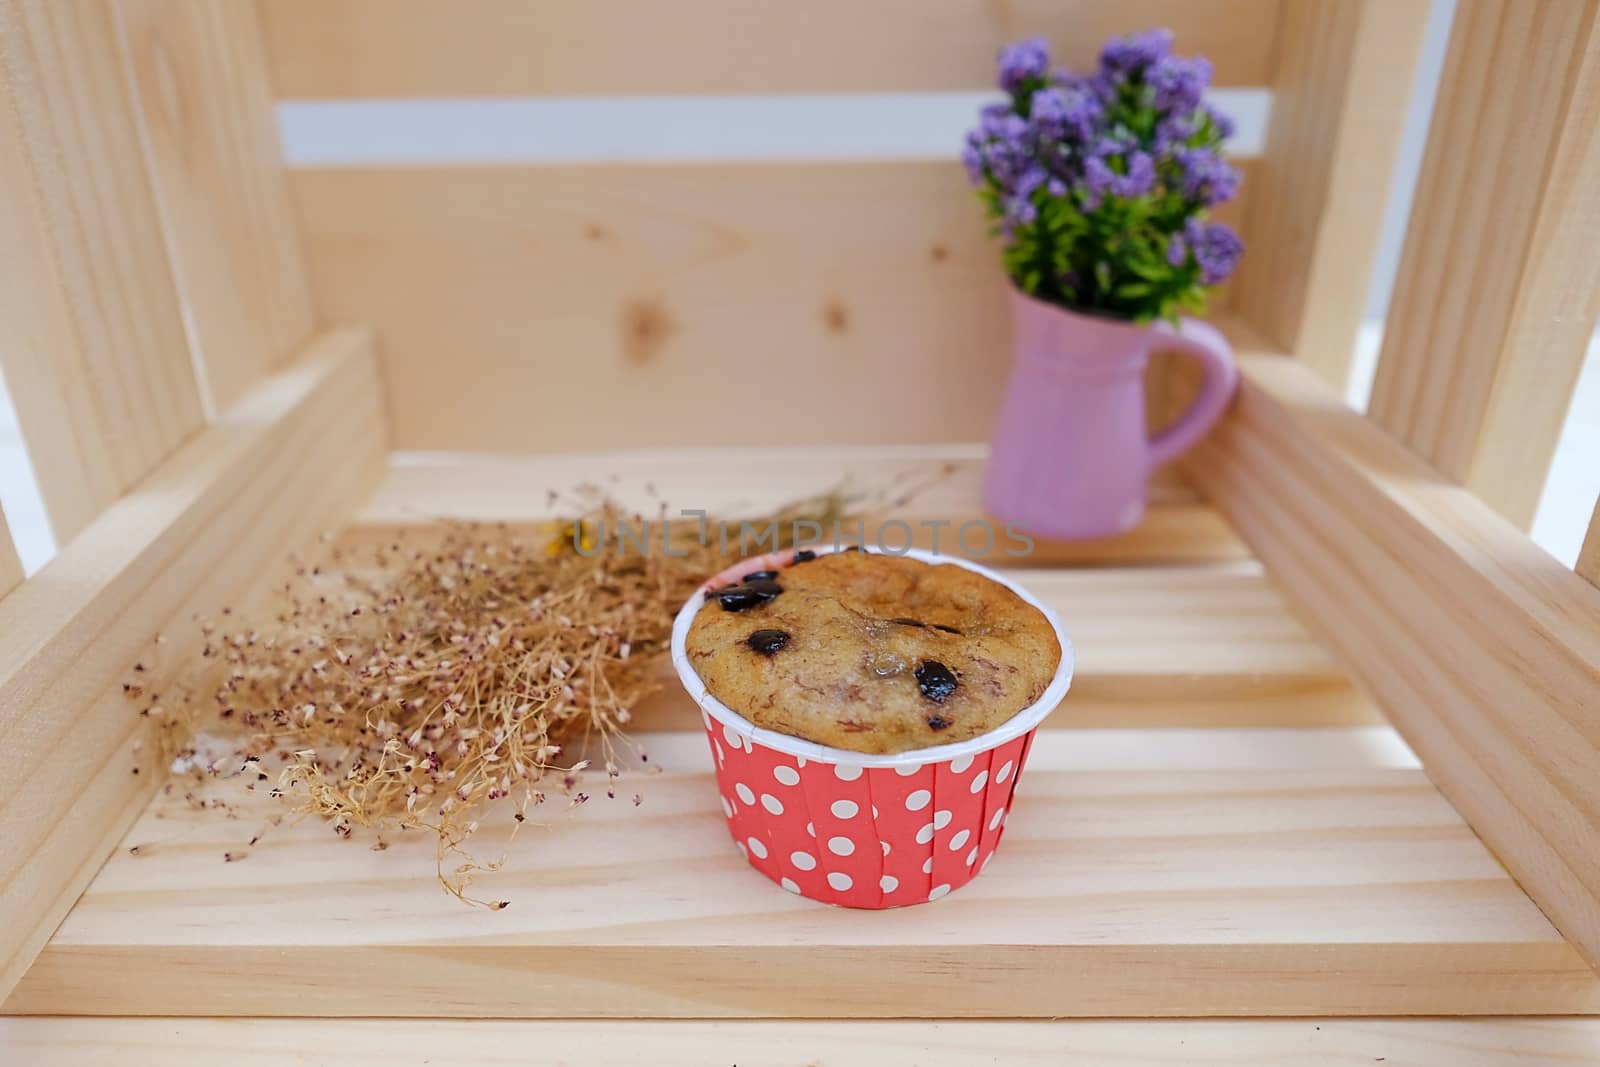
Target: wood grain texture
{"type": "Point", "coordinates": [1344, 72]}
{"type": "Point", "coordinates": [1491, 318]}
{"type": "Point", "coordinates": [10, 565]}
{"type": "Point", "coordinates": [91, 333]}
{"type": "Point", "coordinates": [1208, 644]}
{"type": "Point", "coordinates": [1118, 892]}
{"type": "Point", "coordinates": [1327, 1042]}
{"type": "Point", "coordinates": [431, 48]}
{"type": "Point", "coordinates": [569, 308]}
{"type": "Point", "coordinates": [1589, 555]}
{"type": "Point", "coordinates": [1171, 647]}
{"type": "Point", "coordinates": [1482, 649]}
{"type": "Point", "coordinates": [199, 532]}
{"type": "Point", "coordinates": [934, 489]}
{"type": "Point", "coordinates": [1125, 748]}
{"type": "Point", "coordinates": [201, 82]}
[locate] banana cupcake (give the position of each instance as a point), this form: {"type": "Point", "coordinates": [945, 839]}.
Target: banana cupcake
{"type": "Point", "coordinates": [872, 653]}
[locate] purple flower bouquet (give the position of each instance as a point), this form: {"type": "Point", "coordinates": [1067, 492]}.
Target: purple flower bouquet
{"type": "Point", "coordinates": [1100, 185]}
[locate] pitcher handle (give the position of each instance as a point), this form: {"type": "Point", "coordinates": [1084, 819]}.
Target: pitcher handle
{"type": "Point", "coordinates": [1205, 343]}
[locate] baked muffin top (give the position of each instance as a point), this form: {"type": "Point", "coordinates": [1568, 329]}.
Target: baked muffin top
{"type": "Point", "coordinates": [872, 653]}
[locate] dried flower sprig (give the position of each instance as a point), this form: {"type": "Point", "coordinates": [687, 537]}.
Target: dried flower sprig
{"type": "Point", "coordinates": [413, 686]}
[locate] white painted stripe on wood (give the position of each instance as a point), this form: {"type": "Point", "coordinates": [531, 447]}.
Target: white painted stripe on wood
{"type": "Point", "coordinates": [877, 126]}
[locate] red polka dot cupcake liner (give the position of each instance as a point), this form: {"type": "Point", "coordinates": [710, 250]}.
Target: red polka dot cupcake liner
{"type": "Point", "coordinates": [858, 830]}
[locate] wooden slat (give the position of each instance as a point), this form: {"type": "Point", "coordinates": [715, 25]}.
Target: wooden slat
{"type": "Point", "coordinates": [91, 335]}
{"type": "Point", "coordinates": [1328, 1042]}
{"type": "Point", "coordinates": [422, 48]}
{"type": "Point", "coordinates": [1175, 647]}
{"type": "Point", "coordinates": [201, 80]}
{"type": "Point", "coordinates": [199, 532]}
{"type": "Point", "coordinates": [10, 565]}
{"type": "Point", "coordinates": [1204, 645]}
{"type": "Point", "coordinates": [1117, 892]}
{"type": "Point", "coordinates": [1178, 647]}
{"type": "Point", "coordinates": [917, 484]}
{"type": "Point", "coordinates": [1499, 286]}
{"type": "Point", "coordinates": [1483, 649]}
{"type": "Point", "coordinates": [1127, 748]}
{"type": "Point", "coordinates": [1589, 555]}
{"type": "Point", "coordinates": [1171, 532]}
{"type": "Point", "coordinates": [567, 308]}
{"type": "Point", "coordinates": [1344, 71]}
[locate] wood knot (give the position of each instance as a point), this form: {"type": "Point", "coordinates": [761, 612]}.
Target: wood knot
{"type": "Point", "coordinates": [836, 316]}
{"type": "Point", "coordinates": [646, 327]}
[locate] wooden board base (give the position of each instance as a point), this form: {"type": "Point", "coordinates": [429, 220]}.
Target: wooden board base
{"type": "Point", "coordinates": [1147, 872]}
{"type": "Point", "coordinates": [1099, 1043]}
{"type": "Point", "coordinates": [1297, 890]}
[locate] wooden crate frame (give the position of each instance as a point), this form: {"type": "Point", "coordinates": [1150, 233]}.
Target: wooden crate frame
{"type": "Point", "coordinates": [180, 376]}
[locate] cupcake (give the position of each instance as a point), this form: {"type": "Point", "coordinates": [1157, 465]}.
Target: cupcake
{"type": "Point", "coordinates": [873, 653]}
{"type": "Point", "coordinates": [869, 715]}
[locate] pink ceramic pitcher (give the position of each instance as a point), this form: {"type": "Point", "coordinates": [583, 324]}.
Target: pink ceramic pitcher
{"type": "Point", "coordinates": [1071, 455]}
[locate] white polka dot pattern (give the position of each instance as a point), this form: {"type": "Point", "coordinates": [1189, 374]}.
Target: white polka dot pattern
{"type": "Point", "coordinates": [864, 837]}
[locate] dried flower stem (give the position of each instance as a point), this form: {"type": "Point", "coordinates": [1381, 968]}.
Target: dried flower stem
{"type": "Point", "coordinates": [411, 686]}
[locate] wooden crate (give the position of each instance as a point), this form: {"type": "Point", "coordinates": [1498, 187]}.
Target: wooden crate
{"type": "Point", "coordinates": [1333, 751]}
